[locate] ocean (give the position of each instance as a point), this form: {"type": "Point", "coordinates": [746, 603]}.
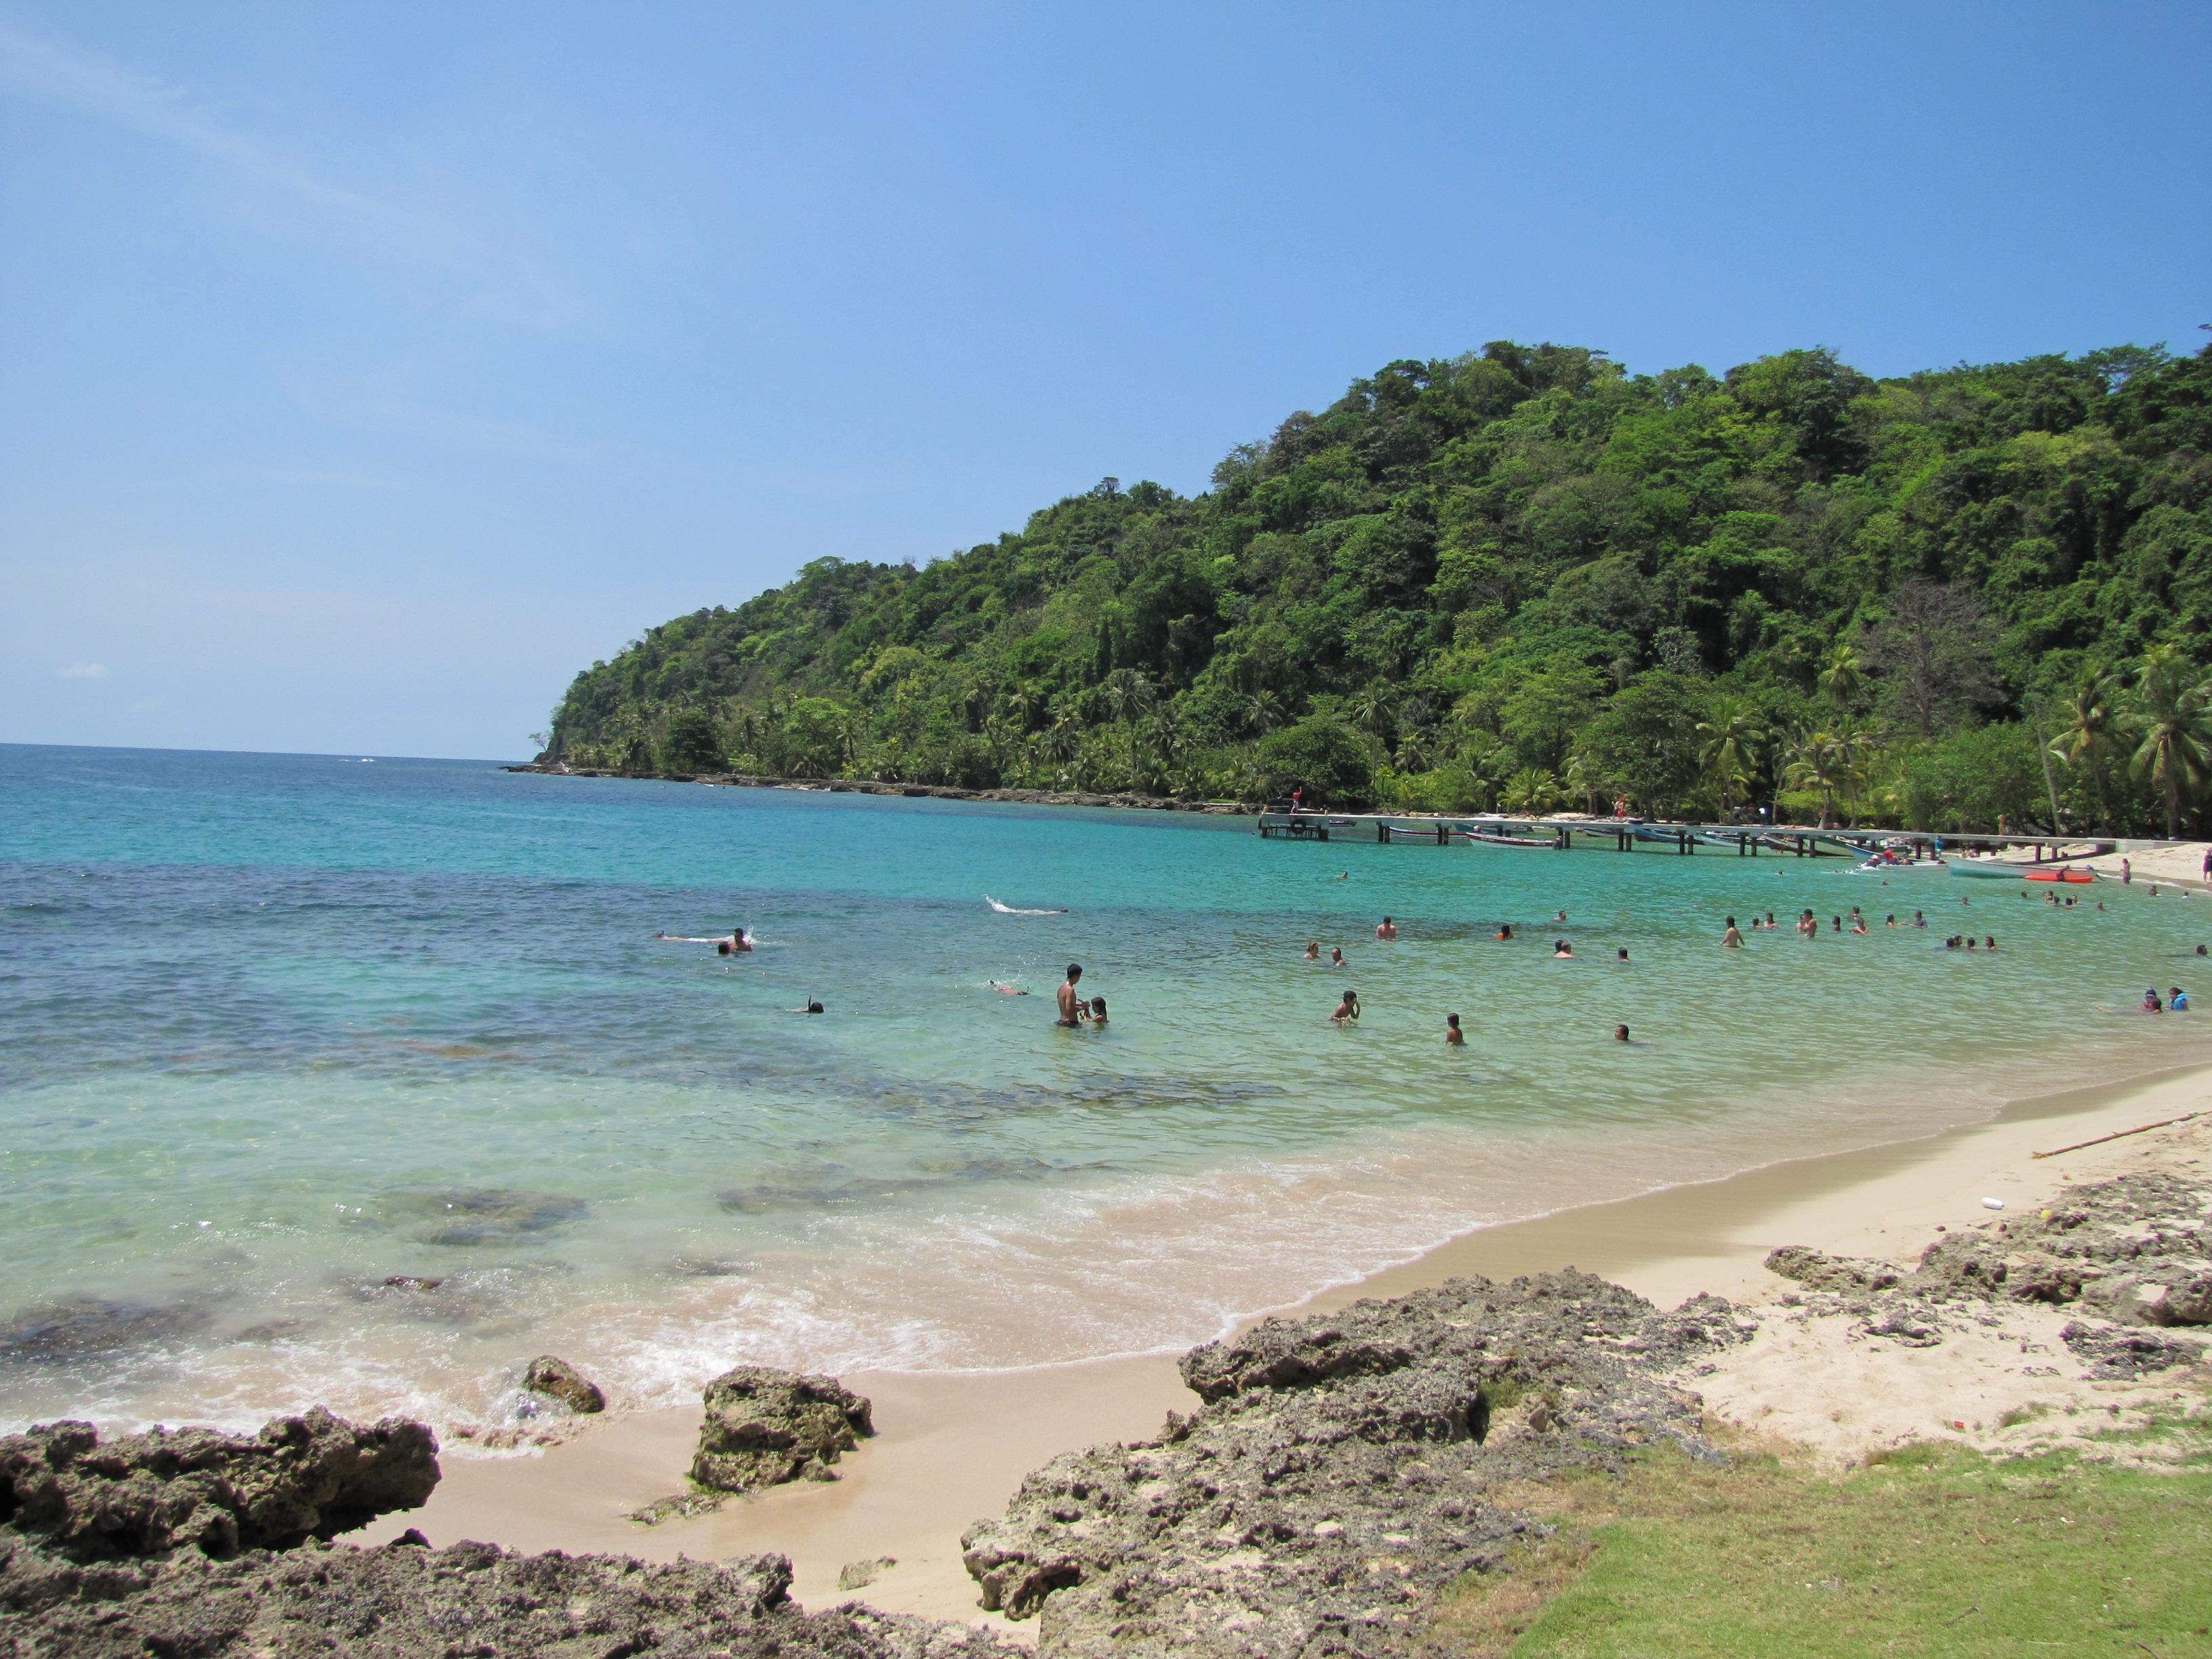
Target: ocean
{"type": "Point", "coordinates": [362, 1081]}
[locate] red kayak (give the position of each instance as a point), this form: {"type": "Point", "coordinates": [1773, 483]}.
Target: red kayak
{"type": "Point", "coordinates": [2078, 876]}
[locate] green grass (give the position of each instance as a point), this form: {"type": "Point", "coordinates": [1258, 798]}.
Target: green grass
{"type": "Point", "coordinates": [1934, 1551]}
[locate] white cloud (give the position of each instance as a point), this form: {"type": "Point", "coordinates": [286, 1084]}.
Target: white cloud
{"type": "Point", "coordinates": [84, 671]}
{"type": "Point", "coordinates": [506, 286]}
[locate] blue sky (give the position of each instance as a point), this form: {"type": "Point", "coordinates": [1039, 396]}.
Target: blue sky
{"type": "Point", "coordinates": [365, 371]}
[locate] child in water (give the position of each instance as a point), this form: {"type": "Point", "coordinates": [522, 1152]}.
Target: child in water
{"type": "Point", "coordinates": [1453, 1037]}
{"type": "Point", "coordinates": [1347, 1011]}
{"type": "Point", "coordinates": [1098, 1012]}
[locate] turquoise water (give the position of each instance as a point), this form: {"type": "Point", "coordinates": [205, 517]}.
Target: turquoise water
{"type": "Point", "coordinates": [281, 1029]}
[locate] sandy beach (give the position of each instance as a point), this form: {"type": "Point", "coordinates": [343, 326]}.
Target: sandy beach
{"type": "Point", "coordinates": [952, 1446]}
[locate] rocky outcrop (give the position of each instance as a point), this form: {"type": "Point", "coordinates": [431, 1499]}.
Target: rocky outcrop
{"type": "Point", "coordinates": [1340, 1473]}
{"type": "Point", "coordinates": [765, 1426]}
{"type": "Point", "coordinates": [405, 1601]}
{"type": "Point", "coordinates": [168, 1490]}
{"type": "Point", "coordinates": [557, 1379]}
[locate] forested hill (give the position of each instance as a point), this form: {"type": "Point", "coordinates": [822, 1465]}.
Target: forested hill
{"type": "Point", "coordinates": [1526, 578]}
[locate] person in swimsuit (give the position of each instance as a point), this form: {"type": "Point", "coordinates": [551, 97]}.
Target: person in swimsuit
{"type": "Point", "coordinates": [1097, 1012]}
{"type": "Point", "coordinates": [1453, 1037]}
{"type": "Point", "coordinates": [1561, 950]}
{"type": "Point", "coordinates": [2177, 1001]}
{"type": "Point", "coordinates": [1071, 1006]}
{"type": "Point", "coordinates": [813, 1005]}
{"type": "Point", "coordinates": [1732, 939]}
{"type": "Point", "coordinates": [1347, 1011]}
{"type": "Point", "coordinates": [1336, 955]}
{"type": "Point", "coordinates": [1807, 927]}
{"type": "Point", "coordinates": [1620, 1034]}
{"type": "Point", "coordinates": [1919, 920]}
{"type": "Point", "coordinates": [1313, 950]}
{"type": "Point", "coordinates": [1006, 990]}
{"type": "Point", "coordinates": [1621, 954]}
{"type": "Point", "coordinates": [1505, 930]}
{"type": "Point", "coordinates": [2151, 1004]}
{"type": "Point", "coordinates": [1385, 929]}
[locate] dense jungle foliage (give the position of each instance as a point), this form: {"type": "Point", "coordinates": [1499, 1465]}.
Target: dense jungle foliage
{"type": "Point", "coordinates": [1524, 579]}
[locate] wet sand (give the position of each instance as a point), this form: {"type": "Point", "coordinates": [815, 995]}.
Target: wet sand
{"type": "Point", "coordinates": [952, 1446]}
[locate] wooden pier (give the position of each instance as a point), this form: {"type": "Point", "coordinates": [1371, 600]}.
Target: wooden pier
{"type": "Point", "coordinates": [1278, 822]}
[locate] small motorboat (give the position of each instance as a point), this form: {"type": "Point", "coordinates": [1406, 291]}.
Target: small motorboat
{"type": "Point", "coordinates": [2059, 872]}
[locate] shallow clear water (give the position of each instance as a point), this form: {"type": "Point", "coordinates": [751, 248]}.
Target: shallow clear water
{"type": "Point", "coordinates": [276, 1030]}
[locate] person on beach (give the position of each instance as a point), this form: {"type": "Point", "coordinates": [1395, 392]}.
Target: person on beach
{"type": "Point", "coordinates": [1732, 940]}
{"type": "Point", "coordinates": [1336, 955]}
{"type": "Point", "coordinates": [1385, 929]}
{"type": "Point", "coordinates": [2127, 872]}
{"type": "Point", "coordinates": [1097, 1013]}
{"type": "Point", "coordinates": [1313, 950]}
{"type": "Point", "coordinates": [1561, 950]}
{"type": "Point", "coordinates": [1071, 1006]}
{"type": "Point", "coordinates": [1348, 1011]}
{"type": "Point", "coordinates": [1453, 1037]}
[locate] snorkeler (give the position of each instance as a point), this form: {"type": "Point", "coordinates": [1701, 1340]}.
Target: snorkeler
{"type": "Point", "coordinates": [813, 1004]}
{"type": "Point", "coordinates": [1006, 990]}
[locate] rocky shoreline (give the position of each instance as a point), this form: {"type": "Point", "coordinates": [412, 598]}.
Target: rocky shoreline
{"type": "Point", "coordinates": [909, 791]}
{"type": "Point", "coordinates": [1341, 1474]}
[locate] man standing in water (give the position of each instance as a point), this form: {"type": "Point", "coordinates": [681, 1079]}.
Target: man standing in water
{"type": "Point", "coordinates": [1385, 929]}
{"type": "Point", "coordinates": [1071, 1009]}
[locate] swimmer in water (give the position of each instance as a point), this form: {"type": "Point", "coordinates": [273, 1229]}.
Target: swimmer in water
{"type": "Point", "coordinates": [2201, 951]}
{"type": "Point", "coordinates": [1807, 927]}
{"type": "Point", "coordinates": [1858, 926]}
{"type": "Point", "coordinates": [1620, 1034]}
{"type": "Point", "coordinates": [1732, 940]}
{"type": "Point", "coordinates": [1918, 920]}
{"type": "Point", "coordinates": [1561, 950]}
{"type": "Point", "coordinates": [1505, 930]}
{"type": "Point", "coordinates": [1313, 950]}
{"type": "Point", "coordinates": [735, 939]}
{"type": "Point", "coordinates": [1347, 1011]}
{"type": "Point", "coordinates": [1621, 954]}
{"type": "Point", "coordinates": [1342, 875]}
{"type": "Point", "coordinates": [1098, 1012]}
{"type": "Point", "coordinates": [2151, 1004]}
{"type": "Point", "coordinates": [1562, 916]}
{"type": "Point", "coordinates": [1336, 955]}
{"type": "Point", "coordinates": [2177, 1001]}
{"type": "Point", "coordinates": [1006, 990]}
{"type": "Point", "coordinates": [1988, 942]}
{"type": "Point", "coordinates": [1071, 1006]}
{"type": "Point", "coordinates": [1773, 925]}
{"type": "Point", "coordinates": [1385, 929]}
{"type": "Point", "coordinates": [1453, 1037]}
{"type": "Point", "coordinates": [1892, 921]}
{"type": "Point", "coordinates": [813, 1005]}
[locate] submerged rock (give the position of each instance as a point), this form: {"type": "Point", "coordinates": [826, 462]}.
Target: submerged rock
{"type": "Point", "coordinates": [765, 1426]}
{"type": "Point", "coordinates": [557, 1379]}
{"type": "Point", "coordinates": [149, 1494]}
{"type": "Point", "coordinates": [1337, 1478]}
{"type": "Point", "coordinates": [56, 1333]}
{"type": "Point", "coordinates": [470, 1216]}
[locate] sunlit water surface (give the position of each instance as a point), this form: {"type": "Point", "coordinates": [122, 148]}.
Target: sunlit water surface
{"type": "Point", "coordinates": [282, 1038]}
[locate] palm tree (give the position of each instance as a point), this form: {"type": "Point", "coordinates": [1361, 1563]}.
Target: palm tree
{"type": "Point", "coordinates": [1819, 763]}
{"type": "Point", "coordinates": [1734, 741]}
{"type": "Point", "coordinates": [1129, 694]}
{"type": "Point", "coordinates": [1413, 752]}
{"type": "Point", "coordinates": [1370, 710]}
{"type": "Point", "coordinates": [1584, 781]}
{"type": "Point", "coordinates": [2172, 726]}
{"type": "Point", "coordinates": [1263, 712]}
{"type": "Point", "coordinates": [1844, 673]}
{"type": "Point", "coordinates": [2090, 728]}
{"type": "Point", "coordinates": [1532, 789]}
{"type": "Point", "coordinates": [1166, 733]}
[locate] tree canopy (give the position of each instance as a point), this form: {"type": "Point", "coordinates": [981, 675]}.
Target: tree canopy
{"type": "Point", "coordinates": [1525, 572]}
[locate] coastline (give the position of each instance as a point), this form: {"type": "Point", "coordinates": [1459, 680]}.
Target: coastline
{"type": "Point", "coordinates": [951, 1446]}
{"type": "Point", "coordinates": [909, 791]}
